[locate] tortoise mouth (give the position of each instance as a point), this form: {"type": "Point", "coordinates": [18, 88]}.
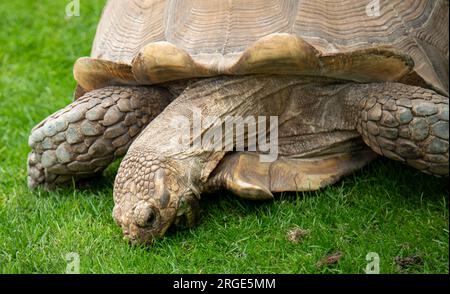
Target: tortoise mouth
{"type": "Point", "coordinates": [182, 221]}
{"type": "Point", "coordinates": [188, 211]}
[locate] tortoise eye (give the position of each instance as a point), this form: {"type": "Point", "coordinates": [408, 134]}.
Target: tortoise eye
{"type": "Point", "coordinates": [145, 215]}
{"type": "Point", "coordinates": [150, 219]}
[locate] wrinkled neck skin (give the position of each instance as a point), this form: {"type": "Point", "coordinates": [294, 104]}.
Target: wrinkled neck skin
{"type": "Point", "coordinates": [160, 180]}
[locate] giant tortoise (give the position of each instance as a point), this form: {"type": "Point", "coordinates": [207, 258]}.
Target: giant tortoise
{"type": "Point", "coordinates": [339, 82]}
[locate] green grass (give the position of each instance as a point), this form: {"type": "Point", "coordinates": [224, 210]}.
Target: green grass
{"type": "Point", "coordinates": [386, 208]}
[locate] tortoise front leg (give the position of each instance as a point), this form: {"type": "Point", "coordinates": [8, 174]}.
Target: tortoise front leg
{"type": "Point", "coordinates": [86, 136]}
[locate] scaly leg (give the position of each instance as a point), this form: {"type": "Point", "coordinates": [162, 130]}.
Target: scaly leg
{"type": "Point", "coordinates": [86, 136]}
{"type": "Point", "coordinates": [404, 123]}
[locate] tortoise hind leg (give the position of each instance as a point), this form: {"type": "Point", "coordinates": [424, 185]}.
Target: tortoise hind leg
{"type": "Point", "coordinates": [86, 136]}
{"type": "Point", "coordinates": [405, 123]}
{"type": "Point", "coordinates": [243, 174]}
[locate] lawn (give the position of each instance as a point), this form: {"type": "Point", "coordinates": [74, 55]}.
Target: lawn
{"type": "Point", "coordinates": [387, 208]}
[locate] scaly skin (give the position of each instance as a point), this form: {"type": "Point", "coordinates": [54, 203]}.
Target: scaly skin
{"type": "Point", "coordinates": [405, 123]}
{"type": "Point", "coordinates": [157, 184]}
{"type": "Point", "coordinates": [86, 136]}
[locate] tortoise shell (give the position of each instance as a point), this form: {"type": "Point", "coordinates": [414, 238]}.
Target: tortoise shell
{"type": "Point", "coordinates": [143, 42]}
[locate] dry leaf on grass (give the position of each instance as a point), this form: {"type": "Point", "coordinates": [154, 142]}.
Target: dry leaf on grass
{"type": "Point", "coordinates": [330, 259]}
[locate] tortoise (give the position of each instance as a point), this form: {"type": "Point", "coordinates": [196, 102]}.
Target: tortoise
{"type": "Point", "coordinates": [342, 83]}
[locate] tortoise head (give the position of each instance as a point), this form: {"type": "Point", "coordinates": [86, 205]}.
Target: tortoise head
{"type": "Point", "coordinates": [149, 199]}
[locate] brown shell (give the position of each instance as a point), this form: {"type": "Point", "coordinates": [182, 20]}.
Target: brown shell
{"type": "Point", "coordinates": [153, 41]}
